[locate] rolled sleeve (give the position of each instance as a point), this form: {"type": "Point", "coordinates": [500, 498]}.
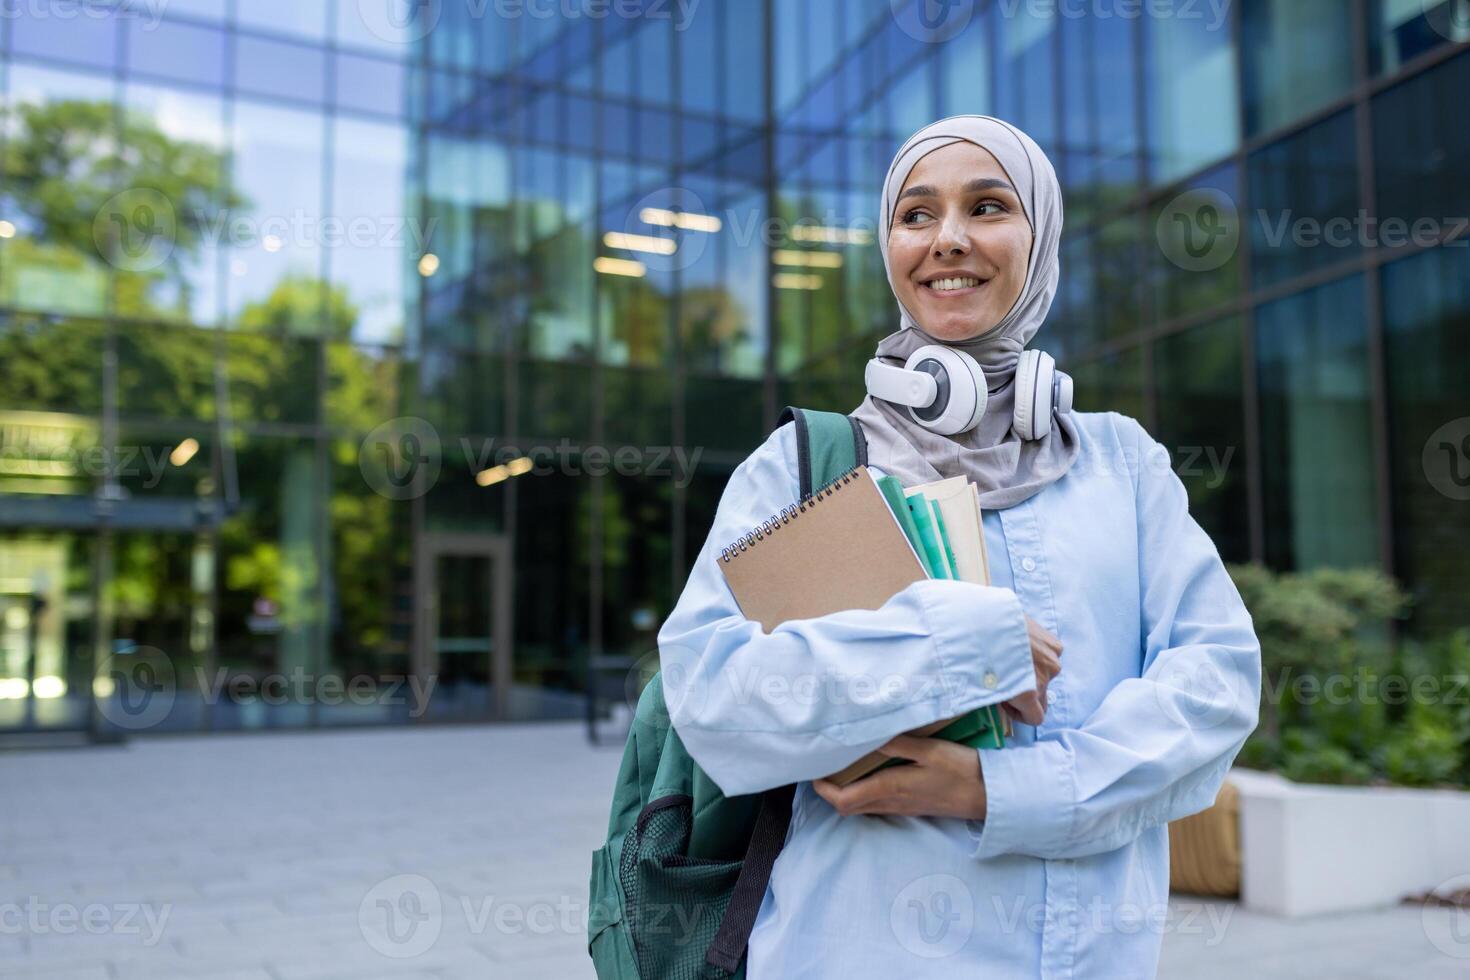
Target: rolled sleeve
{"type": "Point", "coordinates": [1030, 800]}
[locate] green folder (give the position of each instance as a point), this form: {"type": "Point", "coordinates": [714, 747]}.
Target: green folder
{"type": "Point", "coordinates": [946, 550]}
{"type": "Point", "coordinates": [923, 517]}
{"type": "Point", "coordinates": [922, 523]}
{"type": "Point", "coordinates": [893, 493]}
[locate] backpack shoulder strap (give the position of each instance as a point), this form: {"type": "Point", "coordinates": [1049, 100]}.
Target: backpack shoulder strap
{"type": "Point", "coordinates": [828, 444]}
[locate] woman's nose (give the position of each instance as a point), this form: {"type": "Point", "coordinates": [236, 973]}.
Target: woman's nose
{"type": "Point", "coordinates": [951, 239]}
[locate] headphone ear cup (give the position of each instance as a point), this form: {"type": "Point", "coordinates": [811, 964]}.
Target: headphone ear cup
{"type": "Point", "coordinates": [1035, 384]}
{"type": "Point", "coordinates": [962, 394]}
{"type": "Point", "coordinates": [1025, 393]}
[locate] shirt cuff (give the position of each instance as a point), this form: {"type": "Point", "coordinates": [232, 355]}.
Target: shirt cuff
{"type": "Point", "coordinates": [981, 640]}
{"type": "Point", "coordinates": [1030, 800]}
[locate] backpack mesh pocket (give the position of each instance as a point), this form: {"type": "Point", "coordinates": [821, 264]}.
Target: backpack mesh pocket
{"type": "Point", "coordinates": [673, 903]}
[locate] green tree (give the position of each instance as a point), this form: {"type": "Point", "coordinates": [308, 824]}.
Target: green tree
{"type": "Point", "coordinates": [65, 163]}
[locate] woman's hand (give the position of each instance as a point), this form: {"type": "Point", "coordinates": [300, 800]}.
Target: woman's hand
{"type": "Point", "coordinates": [945, 778]}
{"type": "Point", "coordinates": [943, 781]}
{"type": "Point", "coordinates": [1046, 652]}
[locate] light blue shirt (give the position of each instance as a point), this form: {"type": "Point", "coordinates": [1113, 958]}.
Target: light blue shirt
{"type": "Point", "coordinates": [1068, 875]}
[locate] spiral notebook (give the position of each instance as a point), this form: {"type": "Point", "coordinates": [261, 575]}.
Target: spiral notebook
{"type": "Point", "coordinates": [839, 549]}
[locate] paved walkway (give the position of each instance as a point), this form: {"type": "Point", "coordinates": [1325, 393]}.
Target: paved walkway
{"type": "Point", "coordinates": [440, 853]}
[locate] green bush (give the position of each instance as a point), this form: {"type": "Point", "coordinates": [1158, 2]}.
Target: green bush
{"type": "Point", "coordinates": [1334, 708]}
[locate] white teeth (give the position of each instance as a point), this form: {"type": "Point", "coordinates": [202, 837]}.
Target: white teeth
{"type": "Point", "coordinates": [943, 285]}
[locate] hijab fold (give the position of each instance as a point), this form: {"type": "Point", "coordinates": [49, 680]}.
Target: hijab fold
{"type": "Point", "coordinates": [1006, 468]}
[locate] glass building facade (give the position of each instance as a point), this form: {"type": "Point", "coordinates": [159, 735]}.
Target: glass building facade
{"type": "Point", "coordinates": [373, 362]}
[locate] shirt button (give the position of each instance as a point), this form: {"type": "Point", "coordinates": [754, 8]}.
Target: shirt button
{"type": "Point", "coordinates": [1028, 564]}
{"type": "Point", "coordinates": [991, 680]}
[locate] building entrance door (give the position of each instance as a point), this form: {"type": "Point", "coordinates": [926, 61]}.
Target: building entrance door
{"type": "Point", "coordinates": [462, 626]}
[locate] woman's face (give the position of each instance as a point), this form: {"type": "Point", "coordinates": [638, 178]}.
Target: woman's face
{"type": "Point", "coordinates": [960, 243]}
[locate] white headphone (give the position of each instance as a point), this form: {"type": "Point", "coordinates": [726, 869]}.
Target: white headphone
{"type": "Point", "coordinates": [944, 390]}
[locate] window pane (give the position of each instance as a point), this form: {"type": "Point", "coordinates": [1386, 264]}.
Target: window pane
{"type": "Point", "coordinates": [393, 26]}
{"type": "Point", "coordinates": [1193, 114]}
{"type": "Point", "coordinates": [1025, 92]}
{"type": "Point", "coordinates": [374, 85]}
{"type": "Point", "coordinates": [186, 52]}
{"type": "Point", "coordinates": [1401, 30]}
{"type": "Point", "coordinates": [964, 70]}
{"type": "Point", "coordinates": [60, 138]}
{"type": "Point", "coordinates": [1298, 57]}
{"type": "Point", "coordinates": [50, 365]}
{"type": "Point", "coordinates": [288, 16]}
{"type": "Point", "coordinates": [165, 372]}
{"type": "Point", "coordinates": [177, 140]}
{"type": "Point", "coordinates": [1304, 202]}
{"type": "Point", "coordinates": [1120, 268]}
{"type": "Point", "coordinates": [272, 378]}
{"type": "Point", "coordinates": [637, 567]}
{"type": "Point", "coordinates": [1100, 146]}
{"type": "Point", "coordinates": [459, 392]}
{"type": "Point", "coordinates": [723, 413]}
{"type": "Point", "coordinates": [84, 33]}
{"type": "Point", "coordinates": [375, 242]}
{"type": "Point", "coordinates": [364, 386]}
{"type": "Point", "coordinates": [1426, 315]}
{"type": "Point", "coordinates": [552, 573]}
{"type": "Point", "coordinates": [275, 254]}
{"type": "Point", "coordinates": [1110, 384]}
{"type": "Point", "coordinates": [370, 573]}
{"type": "Point", "coordinates": [271, 618]}
{"type": "Point", "coordinates": [638, 406]}
{"type": "Point", "coordinates": [1197, 380]}
{"type": "Point", "coordinates": [1184, 227]}
{"type": "Point", "coordinates": [289, 71]}
{"type": "Point", "coordinates": [1422, 147]}
{"type": "Point", "coordinates": [1316, 436]}
{"type": "Point", "coordinates": [555, 400]}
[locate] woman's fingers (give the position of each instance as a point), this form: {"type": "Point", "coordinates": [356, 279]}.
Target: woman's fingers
{"type": "Point", "coordinates": [860, 796]}
{"type": "Point", "coordinates": [908, 747]}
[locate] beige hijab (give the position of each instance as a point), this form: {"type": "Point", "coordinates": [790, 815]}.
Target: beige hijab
{"type": "Point", "coordinates": [1006, 468]}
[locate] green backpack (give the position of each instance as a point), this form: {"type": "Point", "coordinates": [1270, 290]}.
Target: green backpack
{"type": "Point", "coordinates": [676, 888]}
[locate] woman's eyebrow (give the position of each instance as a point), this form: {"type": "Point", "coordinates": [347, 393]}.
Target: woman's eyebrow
{"type": "Point", "coordinates": [978, 184]}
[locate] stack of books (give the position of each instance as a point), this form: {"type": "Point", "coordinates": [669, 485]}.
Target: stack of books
{"type": "Point", "coordinates": [854, 544]}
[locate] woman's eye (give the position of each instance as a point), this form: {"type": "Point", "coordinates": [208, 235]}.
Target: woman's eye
{"type": "Point", "coordinates": [995, 206]}
{"type": "Point", "coordinates": [913, 217]}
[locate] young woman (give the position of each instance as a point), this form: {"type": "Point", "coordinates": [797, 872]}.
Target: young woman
{"type": "Point", "coordinates": [1049, 857]}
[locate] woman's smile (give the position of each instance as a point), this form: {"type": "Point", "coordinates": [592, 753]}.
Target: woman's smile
{"type": "Point", "coordinates": [954, 285]}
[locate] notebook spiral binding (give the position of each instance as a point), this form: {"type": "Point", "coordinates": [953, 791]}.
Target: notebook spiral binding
{"type": "Point", "coordinates": [787, 514]}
